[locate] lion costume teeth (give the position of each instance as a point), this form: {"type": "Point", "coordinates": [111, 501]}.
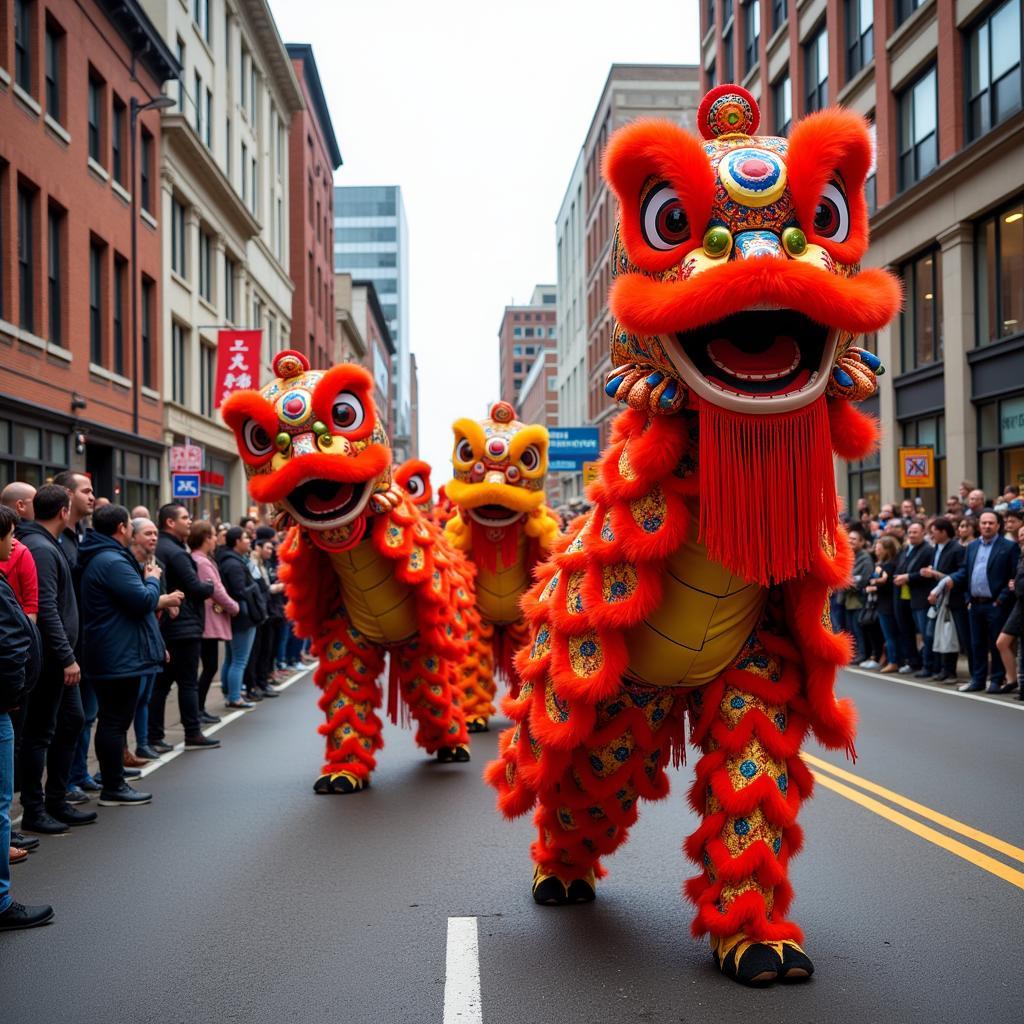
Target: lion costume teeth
{"type": "Point", "coordinates": [737, 296]}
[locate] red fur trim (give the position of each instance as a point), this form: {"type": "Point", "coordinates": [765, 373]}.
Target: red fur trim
{"type": "Point", "coordinates": [829, 142]}
{"type": "Point", "coordinates": [647, 149]}
{"type": "Point", "coordinates": [862, 303]}
{"type": "Point", "coordinates": [364, 466]}
{"type": "Point", "coordinates": [855, 434]}
{"type": "Point", "coordinates": [241, 406]}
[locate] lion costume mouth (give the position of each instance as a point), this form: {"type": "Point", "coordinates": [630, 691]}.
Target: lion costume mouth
{"type": "Point", "coordinates": [757, 360]}
{"type": "Point", "coordinates": [322, 504]}
{"type": "Point", "coordinates": [493, 515]}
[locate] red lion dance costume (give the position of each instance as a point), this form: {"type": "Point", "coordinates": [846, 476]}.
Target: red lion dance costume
{"type": "Point", "coordinates": [737, 295]}
{"type": "Point", "coordinates": [504, 528]}
{"type": "Point", "coordinates": [365, 571]}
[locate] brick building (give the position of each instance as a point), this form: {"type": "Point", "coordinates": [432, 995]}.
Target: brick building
{"type": "Point", "coordinates": [73, 393]}
{"type": "Point", "coordinates": [538, 397]}
{"type": "Point", "coordinates": [524, 334]}
{"type": "Point", "coordinates": [940, 80]}
{"type": "Point", "coordinates": [630, 91]}
{"type": "Point", "coordinates": [314, 156]}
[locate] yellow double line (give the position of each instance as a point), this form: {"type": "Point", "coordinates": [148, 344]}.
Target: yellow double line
{"type": "Point", "coordinates": [954, 846]}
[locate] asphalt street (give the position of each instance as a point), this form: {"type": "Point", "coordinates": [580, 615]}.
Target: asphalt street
{"type": "Point", "coordinates": [238, 895]}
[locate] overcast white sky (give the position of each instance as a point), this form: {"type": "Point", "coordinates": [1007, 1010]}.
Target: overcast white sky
{"type": "Point", "coordinates": [478, 110]}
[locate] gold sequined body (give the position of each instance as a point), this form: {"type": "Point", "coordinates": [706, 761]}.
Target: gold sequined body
{"type": "Point", "coordinates": [498, 590]}
{"type": "Point", "coordinates": [704, 616]}
{"type": "Point", "coordinates": [379, 605]}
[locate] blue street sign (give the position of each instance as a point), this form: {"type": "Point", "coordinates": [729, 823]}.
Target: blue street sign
{"type": "Point", "coordinates": [184, 485]}
{"type": "Point", "coordinates": [570, 447]}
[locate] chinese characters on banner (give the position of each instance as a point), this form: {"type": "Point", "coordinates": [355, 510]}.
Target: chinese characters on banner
{"type": "Point", "coordinates": [238, 362]}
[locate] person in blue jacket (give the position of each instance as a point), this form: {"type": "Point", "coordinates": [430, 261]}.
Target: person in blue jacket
{"type": "Point", "coordinates": [121, 639]}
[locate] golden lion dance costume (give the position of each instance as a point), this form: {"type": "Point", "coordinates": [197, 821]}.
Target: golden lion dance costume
{"type": "Point", "coordinates": [503, 526]}
{"type": "Point", "coordinates": [365, 572]}
{"type": "Point", "coordinates": [737, 295]}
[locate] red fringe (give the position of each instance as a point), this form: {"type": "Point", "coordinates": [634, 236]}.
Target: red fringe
{"type": "Point", "coordinates": [778, 469]}
{"type": "Point", "coordinates": [485, 550]}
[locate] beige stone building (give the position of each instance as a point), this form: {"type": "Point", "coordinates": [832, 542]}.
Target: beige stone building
{"type": "Point", "coordinates": [224, 206]}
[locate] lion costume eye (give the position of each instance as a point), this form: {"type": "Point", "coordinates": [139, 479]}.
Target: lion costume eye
{"type": "Point", "coordinates": [663, 219]}
{"type": "Point", "coordinates": [347, 411]}
{"type": "Point", "coordinates": [464, 451]}
{"type": "Point", "coordinates": [832, 215]}
{"type": "Point", "coordinates": [415, 486]}
{"type": "Point", "coordinates": [530, 458]}
{"type": "Point", "coordinates": [256, 439]}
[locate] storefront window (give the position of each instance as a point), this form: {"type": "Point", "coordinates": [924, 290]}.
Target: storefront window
{"type": "Point", "coordinates": [864, 480]}
{"type": "Point", "coordinates": [138, 480]}
{"type": "Point", "coordinates": [30, 454]}
{"type": "Point", "coordinates": [999, 274]}
{"type": "Point", "coordinates": [928, 431]}
{"type": "Point", "coordinates": [1001, 444]}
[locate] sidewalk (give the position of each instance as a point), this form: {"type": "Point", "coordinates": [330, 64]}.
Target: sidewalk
{"type": "Point", "coordinates": [175, 734]}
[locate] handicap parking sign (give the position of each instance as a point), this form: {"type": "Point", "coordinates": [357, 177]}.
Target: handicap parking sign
{"type": "Point", "coordinates": [185, 485]}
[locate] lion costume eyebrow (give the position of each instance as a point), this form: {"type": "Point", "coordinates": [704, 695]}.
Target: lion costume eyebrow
{"type": "Point", "coordinates": [472, 432]}
{"type": "Point", "coordinates": [346, 377]}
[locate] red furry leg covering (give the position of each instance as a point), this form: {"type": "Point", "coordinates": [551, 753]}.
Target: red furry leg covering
{"type": "Point", "coordinates": [749, 786]}
{"type": "Point", "coordinates": [428, 687]}
{"type": "Point", "coordinates": [588, 812]}
{"type": "Point", "coordinates": [476, 675]}
{"type": "Point", "coordinates": [347, 674]}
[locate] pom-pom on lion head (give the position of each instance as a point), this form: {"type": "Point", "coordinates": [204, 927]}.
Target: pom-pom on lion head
{"type": "Point", "coordinates": [313, 446]}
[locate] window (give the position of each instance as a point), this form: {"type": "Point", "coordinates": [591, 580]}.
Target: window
{"type": "Point", "coordinates": [871, 182]}
{"type": "Point", "coordinates": [23, 44]}
{"type": "Point", "coordinates": [26, 257]}
{"type": "Point", "coordinates": [120, 292]}
{"type": "Point", "coordinates": [230, 269]}
{"type": "Point", "coordinates": [921, 319]}
{"type": "Point", "coordinates": [782, 105]}
{"type": "Point", "coordinates": [343, 235]}
{"type": "Point", "coordinates": [227, 146]}
{"type": "Point", "coordinates": [1001, 444]}
{"type": "Point", "coordinates": [816, 70]}
{"type": "Point", "coordinates": [864, 480]}
{"type": "Point", "coordinates": [201, 16]}
{"type": "Point", "coordinates": [207, 372]}
{"type": "Point", "coordinates": [255, 187]}
{"type": "Point", "coordinates": [178, 238]}
{"type": "Point", "coordinates": [205, 265]}
{"type": "Point", "coordinates": [860, 35]}
{"type": "Point", "coordinates": [197, 102]}
{"type": "Point", "coordinates": [54, 71]}
{"type": "Point", "coordinates": [55, 273]}
{"type": "Point", "coordinates": [994, 69]}
{"type": "Point", "coordinates": [244, 85]}
{"type": "Point", "coordinates": [728, 68]}
{"type": "Point", "coordinates": [778, 13]}
{"type": "Point", "coordinates": [999, 274]}
{"type": "Point", "coordinates": [517, 367]}
{"type": "Point", "coordinates": [117, 142]}
{"type": "Point", "coordinates": [95, 108]}
{"type": "Point", "coordinates": [208, 121]}
{"type": "Point", "coordinates": [147, 305]}
{"type": "Point", "coordinates": [96, 301]}
{"type": "Point", "coordinates": [918, 137]}
{"type": "Point", "coordinates": [146, 171]}
{"type": "Point", "coordinates": [905, 8]}
{"type": "Point", "coordinates": [180, 54]}
{"type": "Point", "coordinates": [517, 332]}
{"type": "Point", "coordinates": [178, 341]}
{"type": "Point", "coordinates": [751, 34]}
{"type": "Point", "coordinates": [711, 76]}
{"type": "Point", "coordinates": [709, 7]}
{"type": "Point", "coordinates": [245, 177]}
{"type": "Point", "coordinates": [30, 454]}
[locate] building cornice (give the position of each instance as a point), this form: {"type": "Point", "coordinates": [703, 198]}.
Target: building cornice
{"type": "Point", "coordinates": [146, 43]}
{"type": "Point", "coordinates": [304, 53]}
{"type": "Point", "coordinates": [264, 29]}
{"type": "Point", "coordinates": [198, 160]}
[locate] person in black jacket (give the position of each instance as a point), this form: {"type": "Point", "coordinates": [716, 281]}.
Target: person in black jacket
{"type": "Point", "coordinates": [20, 654]}
{"type": "Point", "coordinates": [911, 597]}
{"type": "Point", "coordinates": [183, 634]}
{"type": "Point", "coordinates": [121, 641]}
{"type": "Point", "coordinates": [947, 557]}
{"type": "Point", "coordinates": [1013, 629]}
{"type": "Point", "coordinates": [239, 583]}
{"type": "Point", "coordinates": [53, 715]}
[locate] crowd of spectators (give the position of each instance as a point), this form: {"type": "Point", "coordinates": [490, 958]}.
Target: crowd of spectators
{"type": "Point", "coordinates": [929, 588]}
{"type": "Point", "coordinates": [102, 612]}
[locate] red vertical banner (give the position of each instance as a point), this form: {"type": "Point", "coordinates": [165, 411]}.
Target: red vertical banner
{"type": "Point", "coordinates": [238, 362]}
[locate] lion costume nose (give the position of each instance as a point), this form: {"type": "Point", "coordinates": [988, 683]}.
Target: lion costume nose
{"type": "Point", "coordinates": [750, 245]}
{"type": "Point", "coordinates": [494, 477]}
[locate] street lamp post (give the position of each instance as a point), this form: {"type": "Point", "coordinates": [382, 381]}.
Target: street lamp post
{"type": "Point", "coordinates": [136, 108]}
